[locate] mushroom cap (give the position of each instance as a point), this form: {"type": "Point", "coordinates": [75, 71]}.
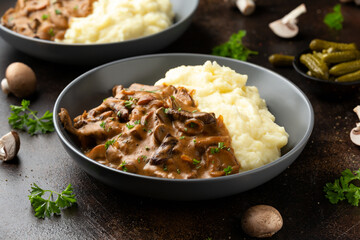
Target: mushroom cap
{"type": "Point", "coordinates": [261, 221]}
{"type": "Point", "coordinates": [284, 30]}
{"type": "Point", "coordinates": [21, 79]}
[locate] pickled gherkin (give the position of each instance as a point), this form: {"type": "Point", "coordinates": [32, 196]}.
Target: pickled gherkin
{"type": "Point", "coordinates": [316, 66]}
{"type": "Point", "coordinates": [280, 60]}
{"type": "Point", "coordinates": [350, 77]}
{"type": "Point", "coordinates": [319, 45]}
{"type": "Point", "coordinates": [344, 68]}
{"type": "Point", "coordinates": [343, 56]}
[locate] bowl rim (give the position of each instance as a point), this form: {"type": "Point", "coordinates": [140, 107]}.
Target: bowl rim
{"type": "Point", "coordinates": [299, 68]}
{"type": "Point", "coordinates": [282, 158]}
{"type": "Point", "coordinates": [84, 45]}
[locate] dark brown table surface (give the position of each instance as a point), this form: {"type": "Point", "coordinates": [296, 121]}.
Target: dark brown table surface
{"type": "Point", "coordinates": [105, 213]}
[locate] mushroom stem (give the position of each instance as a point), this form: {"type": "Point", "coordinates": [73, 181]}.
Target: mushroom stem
{"type": "Point", "coordinates": [357, 111]}
{"type": "Point", "coordinates": [247, 7]}
{"type": "Point", "coordinates": [294, 14]}
{"type": "Point", "coordinates": [5, 86]}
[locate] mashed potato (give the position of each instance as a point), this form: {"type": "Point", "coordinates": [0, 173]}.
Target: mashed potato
{"type": "Point", "coordinates": [120, 20]}
{"type": "Point", "coordinates": [256, 139]}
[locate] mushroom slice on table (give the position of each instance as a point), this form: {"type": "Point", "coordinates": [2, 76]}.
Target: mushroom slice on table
{"type": "Point", "coordinates": [355, 132]}
{"type": "Point", "coordinates": [286, 27]}
{"type": "Point", "coordinates": [9, 146]}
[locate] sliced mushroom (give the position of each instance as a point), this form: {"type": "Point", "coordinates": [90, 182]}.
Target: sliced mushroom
{"type": "Point", "coordinates": [165, 150]}
{"type": "Point", "coordinates": [206, 118]}
{"type": "Point", "coordinates": [9, 146]}
{"type": "Point", "coordinates": [20, 80]}
{"type": "Point", "coordinates": [286, 27]}
{"type": "Point", "coordinates": [355, 132]}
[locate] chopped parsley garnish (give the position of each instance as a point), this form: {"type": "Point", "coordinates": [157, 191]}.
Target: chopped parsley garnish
{"type": "Point", "coordinates": [128, 103]}
{"type": "Point", "coordinates": [185, 129]}
{"type": "Point", "coordinates": [152, 91]}
{"type": "Point", "coordinates": [57, 12]}
{"type": "Point", "coordinates": [178, 171]}
{"type": "Point", "coordinates": [195, 161]}
{"type": "Point", "coordinates": [182, 137]}
{"type": "Point", "coordinates": [214, 150]}
{"type": "Point", "coordinates": [122, 166]}
{"type": "Point", "coordinates": [44, 16]}
{"type": "Point", "coordinates": [172, 97]}
{"type": "Point", "coordinates": [129, 126]}
{"type": "Point", "coordinates": [166, 110]}
{"type": "Point", "coordinates": [194, 111]}
{"type": "Point", "coordinates": [194, 140]}
{"type": "Point", "coordinates": [147, 148]}
{"type": "Point", "coordinates": [109, 142]}
{"type": "Point", "coordinates": [102, 124]}
{"type": "Point", "coordinates": [165, 168]}
{"type": "Point", "coordinates": [344, 188]}
{"type": "Point", "coordinates": [76, 7]}
{"type": "Point", "coordinates": [51, 32]}
{"type": "Point", "coordinates": [179, 109]}
{"type": "Point", "coordinates": [221, 145]}
{"type": "Point", "coordinates": [334, 19]}
{"type": "Point", "coordinates": [228, 170]}
{"type": "Point", "coordinates": [234, 48]}
{"type": "Point", "coordinates": [137, 122]}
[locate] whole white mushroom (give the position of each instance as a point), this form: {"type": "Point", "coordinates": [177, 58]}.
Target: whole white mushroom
{"type": "Point", "coordinates": [19, 80]}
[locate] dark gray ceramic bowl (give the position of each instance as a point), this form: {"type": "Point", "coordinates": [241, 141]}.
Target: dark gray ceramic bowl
{"type": "Point", "coordinates": [290, 106]}
{"type": "Point", "coordinates": [91, 54]}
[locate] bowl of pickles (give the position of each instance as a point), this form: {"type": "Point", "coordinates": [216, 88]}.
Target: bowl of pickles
{"type": "Point", "coordinates": [330, 62]}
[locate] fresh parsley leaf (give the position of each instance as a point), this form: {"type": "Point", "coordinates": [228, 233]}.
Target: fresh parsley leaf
{"type": "Point", "coordinates": [344, 188]}
{"type": "Point", "coordinates": [334, 19]}
{"type": "Point", "coordinates": [57, 12]}
{"type": "Point", "coordinates": [234, 48]}
{"type": "Point", "coordinates": [46, 207]}
{"type": "Point", "coordinates": [44, 16]}
{"type": "Point", "coordinates": [128, 103]}
{"type": "Point", "coordinates": [23, 118]}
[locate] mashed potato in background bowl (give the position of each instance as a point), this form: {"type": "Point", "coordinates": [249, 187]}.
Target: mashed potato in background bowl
{"type": "Point", "coordinates": [120, 20]}
{"type": "Point", "coordinates": [256, 138]}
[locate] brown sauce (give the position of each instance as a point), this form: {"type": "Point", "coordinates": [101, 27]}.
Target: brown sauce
{"type": "Point", "coordinates": [154, 131]}
{"type": "Point", "coordinates": [45, 19]}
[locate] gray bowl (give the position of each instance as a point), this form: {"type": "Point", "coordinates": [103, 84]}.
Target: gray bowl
{"type": "Point", "coordinates": [90, 54]}
{"type": "Point", "coordinates": [290, 106]}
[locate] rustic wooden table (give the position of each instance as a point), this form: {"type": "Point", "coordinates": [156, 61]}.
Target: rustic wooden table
{"type": "Point", "coordinates": [105, 213]}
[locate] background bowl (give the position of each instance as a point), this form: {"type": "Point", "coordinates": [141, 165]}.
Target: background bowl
{"type": "Point", "coordinates": [91, 54]}
{"type": "Point", "coordinates": [290, 106]}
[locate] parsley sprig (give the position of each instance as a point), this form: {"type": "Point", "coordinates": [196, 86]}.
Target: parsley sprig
{"type": "Point", "coordinates": [343, 188]}
{"type": "Point", "coordinates": [23, 118]}
{"type": "Point", "coordinates": [46, 207]}
{"type": "Point", "coordinates": [334, 19]}
{"type": "Point", "coordinates": [234, 48]}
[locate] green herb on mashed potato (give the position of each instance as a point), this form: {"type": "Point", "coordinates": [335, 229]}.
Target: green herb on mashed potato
{"type": "Point", "coordinates": [344, 188]}
{"type": "Point", "coordinates": [234, 48]}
